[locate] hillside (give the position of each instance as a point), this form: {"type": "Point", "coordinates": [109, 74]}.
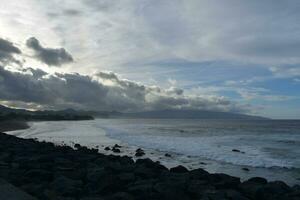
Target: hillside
{"type": "Point", "coordinates": [189, 114]}
{"type": "Point", "coordinates": [7, 113]}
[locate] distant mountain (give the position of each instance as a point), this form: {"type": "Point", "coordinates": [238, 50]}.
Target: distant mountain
{"type": "Point", "coordinates": [7, 113]}
{"type": "Point", "coordinates": [71, 114]}
{"type": "Point", "coordinates": [4, 109]}
{"type": "Point", "coordinates": [188, 114]}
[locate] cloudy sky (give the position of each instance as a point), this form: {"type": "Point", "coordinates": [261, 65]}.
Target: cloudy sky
{"type": "Point", "coordinates": [131, 55]}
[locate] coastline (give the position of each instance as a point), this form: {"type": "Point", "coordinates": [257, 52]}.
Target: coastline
{"type": "Point", "coordinates": [47, 171]}
{"type": "Point", "coordinates": [13, 125]}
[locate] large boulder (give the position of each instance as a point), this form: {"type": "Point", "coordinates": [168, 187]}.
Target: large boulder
{"type": "Point", "coordinates": [66, 187]}
{"type": "Point", "coordinates": [199, 174]}
{"type": "Point", "coordinates": [39, 175]}
{"type": "Point", "coordinates": [127, 177]}
{"type": "Point", "coordinates": [224, 181]}
{"type": "Point", "coordinates": [273, 190]}
{"type": "Point", "coordinates": [179, 169]}
{"type": "Point", "coordinates": [141, 188]}
{"type": "Point", "coordinates": [139, 152]}
{"type": "Point", "coordinates": [252, 186]}
{"type": "Point", "coordinates": [120, 196]}
{"type": "Point", "coordinates": [258, 180]}
{"type": "Point", "coordinates": [196, 188]}
{"type": "Point", "coordinates": [95, 174]}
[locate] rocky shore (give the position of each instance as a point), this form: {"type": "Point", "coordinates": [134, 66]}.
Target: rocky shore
{"type": "Point", "coordinates": [12, 125]}
{"type": "Point", "coordinates": [47, 171]}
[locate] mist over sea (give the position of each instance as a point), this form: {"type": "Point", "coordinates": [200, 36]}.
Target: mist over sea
{"type": "Point", "coordinates": [268, 148]}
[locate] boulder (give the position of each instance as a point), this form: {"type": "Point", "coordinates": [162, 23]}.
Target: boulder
{"type": "Point", "coordinates": [179, 169]}
{"type": "Point", "coordinates": [126, 177]}
{"type": "Point", "coordinates": [252, 186]}
{"type": "Point", "coordinates": [258, 180]}
{"type": "Point", "coordinates": [66, 187]}
{"type": "Point", "coordinates": [116, 150]}
{"type": "Point", "coordinates": [95, 174]}
{"type": "Point", "coordinates": [117, 146]}
{"type": "Point", "coordinates": [171, 190]}
{"type": "Point", "coordinates": [120, 196]}
{"type": "Point", "coordinates": [235, 195]}
{"type": "Point", "coordinates": [39, 175]}
{"type": "Point", "coordinates": [147, 167]}
{"type": "Point", "coordinates": [139, 152]}
{"type": "Point", "coordinates": [273, 190]}
{"type": "Point", "coordinates": [77, 146]}
{"type": "Point", "coordinates": [140, 187]}
{"type": "Point", "coordinates": [246, 169]}
{"type": "Point", "coordinates": [200, 174]}
{"type": "Point", "coordinates": [224, 181]}
{"type": "Point", "coordinates": [197, 187]}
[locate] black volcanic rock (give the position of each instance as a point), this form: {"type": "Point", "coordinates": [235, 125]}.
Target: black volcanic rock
{"type": "Point", "coordinates": [168, 155]}
{"type": "Point", "coordinates": [139, 152]}
{"type": "Point", "coordinates": [117, 146]}
{"type": "Point", "coordinates": [179, 169]}
{"type": "Point", "coordinates": [246, 169]}
{"type": "Point", "coordinates": [77, 146]}
{"type": "Point", "coordinates": [257, 180]}
{"type": "Point", "coordinates": [116, 150]}
{"type": "Point", "coordinates": [51, 172]}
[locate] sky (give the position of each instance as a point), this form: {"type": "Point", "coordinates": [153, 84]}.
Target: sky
{"type": "Point", "coordinates": [134, 55]}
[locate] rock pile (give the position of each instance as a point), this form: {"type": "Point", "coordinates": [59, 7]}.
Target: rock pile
{"type": "Point", "coordinates": [51, 172]}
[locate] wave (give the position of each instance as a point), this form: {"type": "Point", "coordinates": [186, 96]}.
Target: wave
{"type": "Point", "coordinates": [218, 148]}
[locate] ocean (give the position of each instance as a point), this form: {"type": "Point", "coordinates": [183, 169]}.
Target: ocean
{"type": "Point", "coordinates": [270, 148]}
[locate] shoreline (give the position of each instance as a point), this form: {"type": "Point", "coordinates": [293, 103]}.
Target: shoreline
{"type": "Point", "coordinates": [13, 125]}
{"type": "Point", "coordinates": [47, 171]}
{"type": "Point", "coordinates": [98, 138]}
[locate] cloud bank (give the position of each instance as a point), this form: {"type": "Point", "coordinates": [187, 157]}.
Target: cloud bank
{"type": "Point", "coordinates": [49, 56]}
{"type": "Point", "coordinates": [198, 43]}
{"type": "Point", "coordinates": [36, 88]}
{"type": "Point", "coordinates": [7, 52]}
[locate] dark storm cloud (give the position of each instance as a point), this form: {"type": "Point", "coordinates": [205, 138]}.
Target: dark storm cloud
{"type": "Point", "coordinates": [49, 56]}
{"type": "Point", "coordinates": [102, 91]}
{"type": "Point", "coordinates": [51, 91]}
{"type": "Point", "coordinates": [7, 50]}
{"type": "Point", "coordinates": [23, 87]}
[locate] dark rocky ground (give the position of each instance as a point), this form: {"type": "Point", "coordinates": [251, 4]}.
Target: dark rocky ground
{"type": "Point", "coordinates": [47, 171]}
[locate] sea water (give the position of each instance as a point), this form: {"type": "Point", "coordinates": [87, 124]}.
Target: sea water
{"type": "Point", "coordinates": [268, 148]}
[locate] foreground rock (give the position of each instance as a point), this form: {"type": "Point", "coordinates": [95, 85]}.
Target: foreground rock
{"type": "Point", "coordinates": [48, 172]}
{"type": "Point", "coordinates": [139, 152]}
{"type": "Point", "coordinates": [9, 192]}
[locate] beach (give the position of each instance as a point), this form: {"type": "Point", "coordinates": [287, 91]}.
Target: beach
{"type": "Point", "coordinates": [243, 149]}
{"type": "Point", "coordinates": [51, 171]}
